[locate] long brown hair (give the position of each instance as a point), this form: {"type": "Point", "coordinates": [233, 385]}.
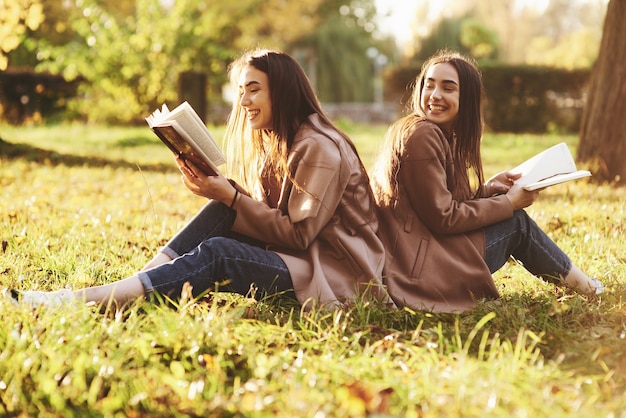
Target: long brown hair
{"type": "Point", "coordinates": [293, 100]}
{"type": "Point", "coordinates": [465, 139]}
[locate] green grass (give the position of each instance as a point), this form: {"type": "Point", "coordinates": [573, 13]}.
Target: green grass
{"type": "Point", "coordinates": [86, 205]}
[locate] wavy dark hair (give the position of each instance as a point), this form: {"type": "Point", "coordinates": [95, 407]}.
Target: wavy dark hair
{"type": "Point", "coordinates": [464, 139]}
{"type": "Point", "coordinates": [293, 100]}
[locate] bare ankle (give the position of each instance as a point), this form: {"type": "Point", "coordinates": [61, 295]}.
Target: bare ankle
{"type": "Point", "coordinates": [159, 259]}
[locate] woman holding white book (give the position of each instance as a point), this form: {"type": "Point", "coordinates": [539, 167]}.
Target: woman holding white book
{"type": "Point", "coordinates": [301, 224]}
{"type": "Point", "coordinates": [444, 240]}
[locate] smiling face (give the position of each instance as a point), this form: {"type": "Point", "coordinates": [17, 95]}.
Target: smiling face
{"type": "Point", "coordinates": [254, 97]}
{"type": "Point", "coordinates": [440, 95]}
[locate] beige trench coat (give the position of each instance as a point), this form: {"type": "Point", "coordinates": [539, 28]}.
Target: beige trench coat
{"type": "Point", "coordinates": [325, 227]}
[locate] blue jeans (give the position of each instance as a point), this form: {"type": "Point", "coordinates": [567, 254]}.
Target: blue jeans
{"type": "Point", "coordinates": [209, 256]}
{"type": "Point", "coordinates": [520, 237]}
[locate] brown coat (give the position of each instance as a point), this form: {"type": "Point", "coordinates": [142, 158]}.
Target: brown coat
{"type": "Point", "coordinates": [324, 227]}
{"type": "Point", "coordinates": [435, 245]}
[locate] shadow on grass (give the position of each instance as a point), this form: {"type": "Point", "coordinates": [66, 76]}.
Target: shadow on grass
{"type": "Point", "coordinates": [42, 156]}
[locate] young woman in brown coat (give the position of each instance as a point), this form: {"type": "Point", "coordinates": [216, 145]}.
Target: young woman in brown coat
{"type": "Point", "coordinates": [443, 239]}
{"type": "Point", "coordinates": [301, 224]}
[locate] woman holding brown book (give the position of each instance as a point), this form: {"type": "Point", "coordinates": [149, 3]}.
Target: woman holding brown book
{"type": "Point", "coordinates": [301, 223]}
{"type": "Point", "coordinates": [443, 239]}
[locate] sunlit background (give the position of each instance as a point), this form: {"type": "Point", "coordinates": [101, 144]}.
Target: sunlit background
{"type": "Point", "coordinates": [59, 58]}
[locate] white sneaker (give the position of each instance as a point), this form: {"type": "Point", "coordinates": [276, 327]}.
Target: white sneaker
{"type": "Point", "coordinates": [598, 285]}
{"type": "Point", "coordinates": [35, 298]}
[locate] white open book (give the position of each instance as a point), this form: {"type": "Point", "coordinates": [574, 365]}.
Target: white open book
{"type": "Point", "coordinates": [187, 136]}
{"type": "Point", "coordinates": [553, 166]}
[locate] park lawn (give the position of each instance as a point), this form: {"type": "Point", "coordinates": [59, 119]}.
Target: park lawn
{"type": "Point", "coordinates": [87, 205]}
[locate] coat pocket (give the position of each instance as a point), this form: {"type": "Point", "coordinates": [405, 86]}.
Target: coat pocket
{"type": "Point", "coordinates": [420, 257]}
{"type": "Point", "coordinates": [344, 252]}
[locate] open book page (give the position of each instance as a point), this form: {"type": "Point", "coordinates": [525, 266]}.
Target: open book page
{"type": "Point", "coordinates": [553, 166]}
{"type": "Point", "coordinates": [190, 129]}
{"type": "Point", "coordinates": [559, 178]}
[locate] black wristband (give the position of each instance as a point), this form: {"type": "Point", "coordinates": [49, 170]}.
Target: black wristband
{"type": "Point", "coordinates": [234, 198]}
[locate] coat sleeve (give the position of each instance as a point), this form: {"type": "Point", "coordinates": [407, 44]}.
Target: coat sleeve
{"type": "Point", "coordinates": [313, 199]}
{"type": "Point", "coordinates": [424, 174]}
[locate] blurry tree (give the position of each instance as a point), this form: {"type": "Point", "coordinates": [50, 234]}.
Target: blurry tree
{"type": "Point", "coordinates": [489, 28]}
{"type": "Point", "coordinates": [481, 41]}
{"type": "Point", "coordinates": [17, 17]}
{"type": "Point", "coordinates": [55, 29]}
{"type": "Point", "coordinates": [130, 63]}
{"type": "Point", "coordinates": [567, 34]}
{"type": "Point", "coordinates": [342, 56]}
{"type": "Point", "coordinates": [562, 33]}
{"type": "Point", "coordinates": [578, 49]}
{"type": "Point", "coordinates": [131, 57]}
{"type": "Point", "coordinates": [447, 34]}
{"type": "Point", "coordinates": [277, 23]}
{"type": "Point", "coordinates": [512, 21]}
{"type": "Point", "coordinates": [463, 34]}
{"type": "Point", "coordinates": [335, 55]}
{"type": "Point", "coordinates": [354, 13]}
{"type": "Point", "coordinates": [603, 128]}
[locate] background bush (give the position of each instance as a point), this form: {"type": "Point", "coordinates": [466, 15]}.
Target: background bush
{"type": "Point", "coordinates": [26, 95]}
{"type": "Point", "coordinates": [519, 98]}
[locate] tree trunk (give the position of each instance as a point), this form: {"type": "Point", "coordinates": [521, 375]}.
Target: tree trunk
{"type": "Point", "coordinates": [192, 89]}
{"type": "Point", "coordinates": [603, 127]}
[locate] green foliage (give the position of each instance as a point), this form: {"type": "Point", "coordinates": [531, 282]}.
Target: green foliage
{"type": "Point", "coordinates": [533, 99]}
{"type": "Point", "coordinates": [131, 63]}
{"type": "Point", "coordinates": [573, 36]}
{"type": "Point", "coordinates": [578, 49]}
{"type": "Point", "coordinates": [446, 35]}
{"type": "Point", "coordinates": [561, 33]}
{"type": "Point", "coordinates": [343, 70]}
{"type": "Point", "coordinates": [86, 205]}
{"type": "Point", "coordinates": [464, 34]}
{"type": "Point", "coordinates": [335, 54]}
{"type": "Point", "coordinates": [354, 13]}
{"type": "Point", "coordinates": [16, 19]}
{"type": "Point", "coordinates": [478, 39]}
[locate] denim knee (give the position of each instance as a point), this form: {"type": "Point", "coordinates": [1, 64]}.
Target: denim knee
{"type": "Point", "coordinates": [521, 238]}
{"type": "Point", "coordinates": [235, 265]}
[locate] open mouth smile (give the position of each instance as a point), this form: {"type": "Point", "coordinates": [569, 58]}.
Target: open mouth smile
{"type": "Point", "coordinates": [437, 108]}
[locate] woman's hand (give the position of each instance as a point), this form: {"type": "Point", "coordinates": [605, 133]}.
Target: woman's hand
{"type": "Point", "coordinates": [500, 183]}
{"type": "Point", "coordinates": [520, 197]}
{"type": "Point", "coordinates": [212, 187]}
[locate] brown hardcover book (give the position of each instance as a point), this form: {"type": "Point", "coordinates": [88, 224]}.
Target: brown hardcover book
{"type": "Point", "coordinates": [184, 133]}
